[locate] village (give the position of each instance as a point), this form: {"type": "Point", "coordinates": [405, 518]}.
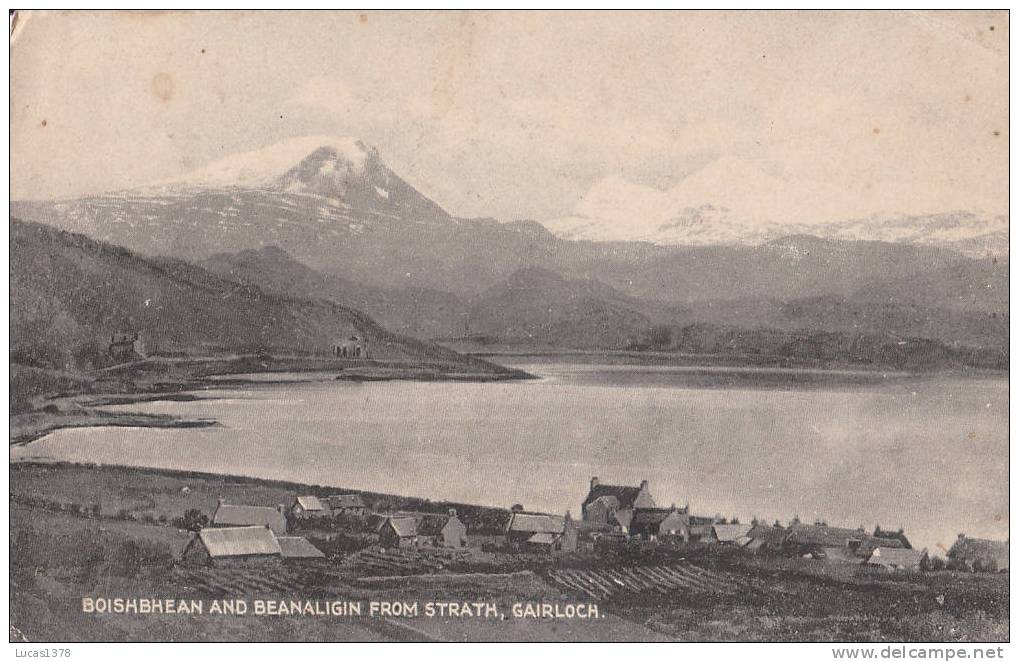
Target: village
{"type": "Point", "coordinates": [612, 518]}
{"type": "Point", "coordinates": [120, 532]}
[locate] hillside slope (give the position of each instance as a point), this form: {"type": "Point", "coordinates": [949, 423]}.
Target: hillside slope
{"type": "Point", "coordinates": [418, 312]}
{"type": "Point", "coordinates": [69, 293]}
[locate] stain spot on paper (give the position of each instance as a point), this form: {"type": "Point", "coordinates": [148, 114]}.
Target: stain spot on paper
{"type": "Point", "coordinates": [162, 86]}
{"type": "Point", "coordinates": [44, 122]}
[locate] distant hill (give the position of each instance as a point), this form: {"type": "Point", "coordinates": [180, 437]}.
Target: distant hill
{"type": "Point", "coordinates": [539, 306]}
{"type": "Point", "coordinates": [69, 293]}
{"type": "Point", "coordinates": [417, 312]}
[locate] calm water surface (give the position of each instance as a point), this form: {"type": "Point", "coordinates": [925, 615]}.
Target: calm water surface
{"type": "Point", "coordinates": [929, 454]}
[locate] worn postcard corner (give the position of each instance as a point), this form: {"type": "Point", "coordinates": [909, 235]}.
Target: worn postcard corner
{"type": "Point", "coordinates": [456, 326]}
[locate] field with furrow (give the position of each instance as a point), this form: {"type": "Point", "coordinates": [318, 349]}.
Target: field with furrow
{"type": "Point", "coordinates": [604, 583]}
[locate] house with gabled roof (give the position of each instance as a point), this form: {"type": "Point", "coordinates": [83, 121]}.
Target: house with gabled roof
{"type": "Point", "coordinates": [439, 530]}
{"type": "Point", "coordinates": [978, 555]}
{"type": "Point", "coordinates": [127, 347]}
{"type": "Point", "coordinates": [310, 507]}
{"type": "Point", "coordinates": [350, 505]}
{"type": "Point", "coordinates": [870, 543]}
{"type": "Point", "coordinates": [661, 523]}
{"type": "Point", "coordinates": [526, 530]}
{"type": "Point", "coordinates": [763, 538]}
{"type": "Point", "coordinates": [899, 558]}
{"type": "Point", "coordinates": [398, 532]}
{"type": "Point", "coordinates": [615, 504]}
{"type": "Point", "coordinates": [813, 539]}
{"type": "Point", "coordinates": [242, 544]}
{"type": "Point", "coordinates": [234, 515]}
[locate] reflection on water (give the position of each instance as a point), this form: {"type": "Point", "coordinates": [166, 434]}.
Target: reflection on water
{"type": "Point", "coordinates": [853, 448]}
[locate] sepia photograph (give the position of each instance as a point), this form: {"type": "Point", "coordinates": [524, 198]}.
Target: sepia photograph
{"type": "Point", "coordinates": [510, 326]}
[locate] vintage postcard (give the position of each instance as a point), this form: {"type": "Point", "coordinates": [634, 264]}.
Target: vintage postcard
{"type": "Point", "coordinates": [449, 326]}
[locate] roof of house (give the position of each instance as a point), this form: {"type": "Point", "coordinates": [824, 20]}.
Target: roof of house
{"type": "Point", "coordinates": [650, 520]}
{"type": "Point", "coordinates": [753, 544]}
{"type": "Point", "coordinates": [405, 527]}
{"type": "Point", "coordinates": [542, 539]}
{"type": "Point", "coordinates": [239, 541]}
{"type": "Point", "coordinates": [310, 503]}
{"type": "Point", "coordinates": [624, 494]}
{"type": "Point", "coordinates": [980, 549]}
{"type": "Point", "coordinates": [702, 529]}
{"type": "Point", "coordinates": [897, 557]}
{"type": "Point", "coordinates": [428, 524]}
{"type": "Point", "coordinates": [346, 501]}
{"type": "Point", "coordinates": [536, 523]}
{"type": "Point", "coordinates": [773, 535]}
{"type": "Point", "coordinates": [610, 501]}
{"type": "Point", "coordinates": [899, 535]}
{"type": "Point", "coordinates": [234, 515]}
{"type": "Point", "coordinates": [730, 532]}
{"type": "Point", "coordinates": [870, 543]}
{"type": "Point", "coordinates": [823, 536]}
{"type": "Point", "coordinates": [296, 547]}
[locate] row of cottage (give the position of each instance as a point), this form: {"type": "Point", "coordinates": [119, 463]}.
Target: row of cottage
{"type": "Point", "coordinates": [610, 513]}
{"type": "Point", "coordinates": [631, 512]}
{"type": "Point", "coordinates": [245, 532]}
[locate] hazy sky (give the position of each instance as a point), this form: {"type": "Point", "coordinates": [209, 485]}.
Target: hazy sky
{"type": "Point", "coordinates": [519, 115]}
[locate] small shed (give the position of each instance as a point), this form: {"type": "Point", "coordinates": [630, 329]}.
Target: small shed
{"type": "Point", "coordinates": [245, 544]}
{"type": "Point", "coordinates": [237, 515]}
{"type": "Point", "coordinates": [398, 532]}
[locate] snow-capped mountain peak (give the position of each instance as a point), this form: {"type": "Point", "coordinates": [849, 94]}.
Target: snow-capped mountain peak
{"type": "Point", "coordinates": [288, 162]}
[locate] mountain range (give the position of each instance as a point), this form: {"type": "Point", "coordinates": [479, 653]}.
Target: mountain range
{"type": "Point", "coordinates": [756, 207]}
{"type": "Point", "coordinates": [326, 219]}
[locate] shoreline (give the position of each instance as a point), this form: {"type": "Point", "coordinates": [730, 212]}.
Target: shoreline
{"type": "Point", "coordinates": [162, 379]}
{"type": "Point", "coordinates": [420, 502]}
{"type": "Point", "coordinates": [746, 363]}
